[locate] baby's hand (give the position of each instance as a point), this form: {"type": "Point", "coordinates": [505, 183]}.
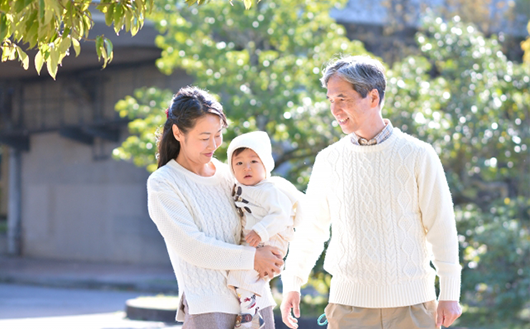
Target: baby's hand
{"type": "Point", "coordinates": [253, 239]}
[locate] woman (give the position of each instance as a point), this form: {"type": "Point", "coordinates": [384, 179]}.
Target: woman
{"type": "Point", "coordinates": [189, 200]}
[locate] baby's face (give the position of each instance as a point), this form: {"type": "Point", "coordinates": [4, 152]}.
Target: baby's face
{"type": "Point", "coordinates": [248, 168]}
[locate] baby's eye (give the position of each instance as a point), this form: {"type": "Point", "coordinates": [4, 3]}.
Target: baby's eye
{"type": "Point", "coordinates": [239, 163]}
{"type": "Point", "coordinates": [254, 161]}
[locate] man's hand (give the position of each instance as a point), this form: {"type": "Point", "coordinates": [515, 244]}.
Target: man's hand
{"type": "Point", "coordinates": [448, 311]}
{"type": "Point", "coordinates": [291, 300]}
{"type": "Point", "coordinates": [253, 239]}
{"type": "Point", "coordinates": [267, 261]}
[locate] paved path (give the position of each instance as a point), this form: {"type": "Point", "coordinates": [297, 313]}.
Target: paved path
{"type": "Point", "coordinates": [34, 307]}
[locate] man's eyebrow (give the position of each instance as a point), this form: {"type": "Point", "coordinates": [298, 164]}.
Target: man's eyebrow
{"type": "Point", "coordinates": [339, 95]}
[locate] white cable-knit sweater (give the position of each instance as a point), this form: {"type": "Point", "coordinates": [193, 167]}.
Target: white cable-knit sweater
{"type": "Point", "coordinates": [198, 221]}
{"type": "Point", "coordinates": [390, 210]}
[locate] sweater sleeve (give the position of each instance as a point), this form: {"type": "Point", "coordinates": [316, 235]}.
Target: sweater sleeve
{"type": "Point", "coordinates": [279, 215]}
{"type": "Point", "coordinates": [438, 218]}
{"type": "Point", "coordinates": [181, 234]}
{"type": "Point", "coordinates": [312, 231]}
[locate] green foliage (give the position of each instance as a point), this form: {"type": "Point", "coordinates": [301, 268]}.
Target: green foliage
{"type": "Point", "coordinates": [55, 26]}
{"type": "Point", "coordinates": [141, 145]}
{"type": "Point", "coordinates": [496, 258]}
{"type": "Point", "coordinates": [247, 3]}
{"type": "Point", "coordinates": [264, 64]}
{"type": "Point", "coordinates": [463, 96]}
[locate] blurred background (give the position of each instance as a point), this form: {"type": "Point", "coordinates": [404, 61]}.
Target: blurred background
{"type": "Point", "coordinates": [75, 152]}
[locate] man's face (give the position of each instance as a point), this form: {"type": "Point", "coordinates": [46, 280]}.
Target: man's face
{"type": "Point", "coordinates": [351, 111]}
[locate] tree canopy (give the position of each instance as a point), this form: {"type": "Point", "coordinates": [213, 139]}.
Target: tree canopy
{"type": "Point", "coordinates": [263, 63]}
{"type": "Point", "coordinates": [52, 27]}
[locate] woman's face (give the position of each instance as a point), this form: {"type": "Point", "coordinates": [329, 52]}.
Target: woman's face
{"type": "Point", "coordinates": [198, 144]}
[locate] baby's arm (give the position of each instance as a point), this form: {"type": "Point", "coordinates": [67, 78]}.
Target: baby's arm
{"type": "Point", "coordinates": [253, 239]}
{"type": "Point", "coordinates": [278, 218]}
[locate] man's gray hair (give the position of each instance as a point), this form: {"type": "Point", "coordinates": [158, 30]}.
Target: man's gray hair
{"type": "Point", "coordinates": [363, 72]}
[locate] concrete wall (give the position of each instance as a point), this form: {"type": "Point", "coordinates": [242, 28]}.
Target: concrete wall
{"type": "Point", "coordinates": [3, 180]}
{"type": "Point", "coordinates": [75, 207]}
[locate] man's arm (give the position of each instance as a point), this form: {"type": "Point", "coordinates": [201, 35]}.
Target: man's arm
{"type": "Point", "coordinates": [439, 221]}
{"type": "Point", "coordinates": [438, 218]}
{"type": "Point", "coordinates": [309, 238]}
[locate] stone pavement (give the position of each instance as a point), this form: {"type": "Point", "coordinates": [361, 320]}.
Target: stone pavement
{"type": "Point", "coordinates": [38, 293]}
{"type": "Point", "coordinates": [42, 294]}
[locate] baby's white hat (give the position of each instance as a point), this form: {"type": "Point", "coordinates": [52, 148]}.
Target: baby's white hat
{"type": "Point", "coordinates": [257, 141]}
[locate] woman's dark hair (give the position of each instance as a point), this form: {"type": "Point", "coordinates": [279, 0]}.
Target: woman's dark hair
{"type": "Point", "coordinates": [188, 105]}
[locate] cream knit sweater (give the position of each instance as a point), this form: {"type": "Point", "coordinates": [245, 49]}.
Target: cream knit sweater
{"type": "Point", "coordinates": [198, 221]}
{"type": "Point", "coordinates": [391, 213]}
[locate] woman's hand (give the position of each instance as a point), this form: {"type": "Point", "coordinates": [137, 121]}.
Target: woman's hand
{"type": "Point", "coordinates": [253, 239]}
{"type": "Point", "coordinates": [267, 261]}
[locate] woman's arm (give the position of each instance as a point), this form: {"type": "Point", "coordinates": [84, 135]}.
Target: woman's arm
{"type": "Point", "coordinates": [176, 225]}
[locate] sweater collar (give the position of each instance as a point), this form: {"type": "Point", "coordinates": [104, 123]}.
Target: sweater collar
{"type": "Point", "coordinates": [347, 140]}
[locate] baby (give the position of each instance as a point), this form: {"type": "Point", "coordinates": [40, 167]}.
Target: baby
{"type": "Point", "coordinates": [267, 206]}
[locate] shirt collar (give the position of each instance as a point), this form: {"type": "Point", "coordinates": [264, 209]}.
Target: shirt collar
{"type": "Point", "coordinates": [378, 139]}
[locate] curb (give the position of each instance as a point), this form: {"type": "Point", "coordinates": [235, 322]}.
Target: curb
{"type": "Point", "coordinates": [169, 288]}
{"type": "Point", "coordinates": [150, 314]}
{"type": "Point", "coordinates": [155, 308]}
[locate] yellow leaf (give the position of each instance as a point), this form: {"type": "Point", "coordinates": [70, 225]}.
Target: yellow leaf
{"type": "Point", "coordinates": [53, 62]}
{"type": "Point", "coordinates": [48, 15]}
{"type": "Point", "coordinates": [23, 57]}
{"type": "Point", "coordinates": [77, 46]}
{"type": "Point", "coordinates": [64, 45]}
{"type": "Point", "coordinates": [39, 60]}
{"type": "Point", "coordinates": [51, 70]}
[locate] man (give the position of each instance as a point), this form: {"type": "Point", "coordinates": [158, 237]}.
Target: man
{"type": "Point", "coordinates": [386, 197]}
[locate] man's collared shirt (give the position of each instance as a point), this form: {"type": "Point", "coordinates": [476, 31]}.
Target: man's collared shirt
{"type": "Point", "coordinates": [378, 139]}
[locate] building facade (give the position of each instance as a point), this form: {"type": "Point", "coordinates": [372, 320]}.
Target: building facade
{"type": "Point", "coordinates": [62, 193]}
